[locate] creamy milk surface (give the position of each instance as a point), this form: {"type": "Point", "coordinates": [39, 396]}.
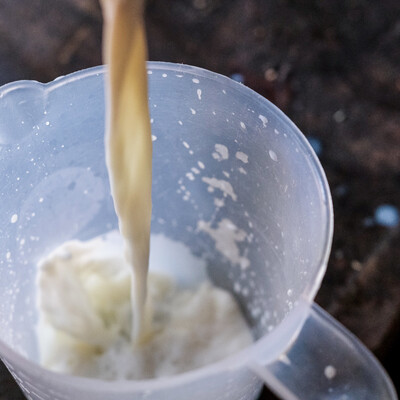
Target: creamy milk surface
{"type": "Point", "coordinates": [100, 314]}
{"type": "Point", "coordinates": [86, 314]}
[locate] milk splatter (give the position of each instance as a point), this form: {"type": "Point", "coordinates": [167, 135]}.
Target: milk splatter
{"type": "Point", "coordinates": [242, 157]}
{"type": "Point", "coordinates": [222, 185]}
{"type": "Point", "coordinates": [221, 152]}
{"type": "Point", "coordinates": [273, 155]}
{"type": "Point", "coordinates": [227, 236]}
{"type": "Point", "coordinates": [264, 120]}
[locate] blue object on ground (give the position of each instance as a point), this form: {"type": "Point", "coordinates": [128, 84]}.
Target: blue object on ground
{"type": "Point", "coordinates": [316, 145]}
{"type": "Point", "coordinates": [238, 77]}
{"type": "Point", "coordinates": [387, 215]}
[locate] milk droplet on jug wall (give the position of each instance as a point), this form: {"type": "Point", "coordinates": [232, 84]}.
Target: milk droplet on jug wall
{"type": "Point", "coordinates": [243, 157]}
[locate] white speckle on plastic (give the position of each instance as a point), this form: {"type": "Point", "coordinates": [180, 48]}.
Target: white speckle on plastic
{"type": "Point", "coordinates": [264, 120]}
{"type": "Point", "coordinates": [180, 123]}
{"type": "Point", "coordinates": [195, 80]}
{"type": "Point", "coordinates": [41, 200]}
{"type": "Point", "coordinates": [164, 75]}
{"type": "Point", "coordinates": [149, 72]}
{"type": "Point", "coordinates": [193, 111]}
{"type": "Point", "coordinates": [8, 255]}
{"type": "Point", "coordinates": [243, 157]}
{"type": "Point", "coordinates": [223, 91]}
{"type": "Point", "coordinates": [186, 144]}
{"type": "Point", "coordinates": [221, 152]}
{"type": "Point", "coordinates": [330, 372]}
{"type": "Point", "coordinates": [243, 125]}
{"type": "Point", "coordinates": [222, 185]}
{"type": "Point", "coordinates": [153, 138]}
{"type": "Point", "coordinates": [47, 123]}
{"type": "Point", "coordinates": [190, 176]}
{"type": "Point", "coordinates": [242, 170]}
{"type": "Point", "coordinates": [195, 170]}
{"type": "Point", "coordinates": [273, 155]}
{"type": "Point", "coordinates": [199, 94]}
{"type": "Point", "coordinates": [290, 292]}
{"type": "Point", "coordinates": [219, 202]}
{"type": "Point", "coordinates": [200, 164]}
{"type": "Point", "coordinates": [151, 120]}
{"type": "Point", "coordinates": [14, 218]}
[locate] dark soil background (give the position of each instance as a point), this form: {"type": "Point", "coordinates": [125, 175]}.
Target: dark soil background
{"type": "Point", "coordinates": [332, 66]}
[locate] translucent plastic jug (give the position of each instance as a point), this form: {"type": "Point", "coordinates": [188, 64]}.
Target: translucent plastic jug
{"type": "Point", "coordinates": [234, 180]}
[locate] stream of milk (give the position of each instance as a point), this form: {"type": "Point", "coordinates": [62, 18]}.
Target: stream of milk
{"type": "Point", "coordinates": [100, 314]}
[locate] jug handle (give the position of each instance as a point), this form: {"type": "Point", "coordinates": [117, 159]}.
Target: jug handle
{"type": "Point", "coordinates": [325, 361]}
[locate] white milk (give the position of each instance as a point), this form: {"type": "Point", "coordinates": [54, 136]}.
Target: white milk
{"type": "Point", "coordinates": [128, 140]}
{"type": "Point", "coordinates": [85, 313]}
{"type": "Point", "coordinates": [95, 317]}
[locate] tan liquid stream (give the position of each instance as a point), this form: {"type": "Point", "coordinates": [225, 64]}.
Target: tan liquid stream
{"type": "Point", "coordinates": [128, 140]}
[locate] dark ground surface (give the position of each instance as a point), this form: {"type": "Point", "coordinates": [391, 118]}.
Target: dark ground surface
{"type": "Point", "coordinates": [332, 67]}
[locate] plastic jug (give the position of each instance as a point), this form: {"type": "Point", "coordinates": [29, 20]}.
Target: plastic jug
{"type": "Point", "coordinates": [234, 180]}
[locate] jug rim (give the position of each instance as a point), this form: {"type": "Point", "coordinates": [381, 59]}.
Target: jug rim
{"type": "Point", "coordinates": [239, 358]}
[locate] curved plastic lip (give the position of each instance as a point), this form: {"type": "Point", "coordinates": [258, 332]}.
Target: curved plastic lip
{"type": "Point", "coordinates": [240, 358]}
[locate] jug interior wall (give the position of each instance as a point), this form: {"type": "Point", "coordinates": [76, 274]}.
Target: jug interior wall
{"type": "Point", "coordinates": [232, 180]}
